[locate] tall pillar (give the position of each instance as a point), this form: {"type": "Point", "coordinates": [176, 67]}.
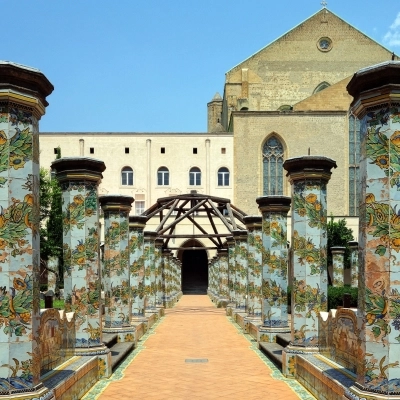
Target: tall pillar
{"type": "Point", "coordinates": [23, 92]}
{"type": "Point", "coordinates": [223, 296]}
{"type": "Point", "coordinates": [254, 273]}
{"type": "Point", "coordinates": [231, 270]}
{"type": "Point", "coordinates": [115, 272]}
{"type": "Point", "coordinates": [377, 104]}
{"type": "Point", "coordinates": [174, 270]}
{"type": "Point", "coordinates": [136, 226]}
{"type": "Point", "coordinates": [158, 267]}
{"type": "Point", "coordinates": [354, 263]}
{"type": "Point", "coordinates": [241, 255]}
{"type": "Point", "coordinates": [166, 278]}
{"type": "Point", "coordinates": [274, 211]}
{"type": "Point", "coordinates": [149, 271]}
{"type": "Point", "coordinates": [79, 178]}
{"type": "Point", "coordinates": [338, 265]}
{"type": "Point", "coordinates": [308, 176]}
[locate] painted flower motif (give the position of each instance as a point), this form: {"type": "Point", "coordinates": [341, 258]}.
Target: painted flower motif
{"type": "Point", "coordinates": [21, 242]}
{"type": "Point", "coordinates": [29, 199]}
{"type": "Point", "coordinates": [370, 318]}
{"type": "Point", "coordinates": [302, 212]}
{"type": "Point", "coordinates": [318, 206]}
{"type": "Point", "coordinates": [129, 337]}
{"type": "Point", "coordinates": [395, 138]}
{"type": "Point", "coordinates": [382, 161]}
{"type": "Point", "coordinates": [3, 244]}
{"type": "Point", "coordinates": [25, 317]}
{"type": "Point", "coordinates": [102, 367]}
{"type": "Point", "coordinates": [78, 199]}
{"type": "Point", "coordinates": [16, 161]}
{"type": "Point", "coordinates": [310, 259]}
{"type": "Point", "coordinates": [115, 224]}
{"type": "Point", "coordinates": [380, 216]}
{"type": "Point", "coordinates": [3, 137]}
{"type": "Point", "coordinates": [370, 198]}
{"type": "Point", "coordinates": [395, 244]}
{"type": "Point", "coordinates": [16, 214]}
{"type": "Point", "coordinates": [81, 260]}
{"type": "Point", "coordinates": [89, 212]}
{"type": "Point", "coordinates": [311, 198]}
{"type": "Point", "coordinates": [274, 225]}
{"type": "Point", "coordinates": [19, 284]}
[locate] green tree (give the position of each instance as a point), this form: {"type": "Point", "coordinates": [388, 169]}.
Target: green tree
{"type": "Point", "coordinates": [51, 234]}
{"type": "Point", "coordinates": [339, 235]}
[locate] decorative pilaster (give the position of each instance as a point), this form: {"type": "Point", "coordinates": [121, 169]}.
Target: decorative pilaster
{"type": "Point", "coordinates": [354, 263]}
{"type": "Point", "coordinates": [241, 257]}
{"type": "Point", "coordinates": [79, 178]}
{"type": "Point", "coordinates": [149, 271]}
{"type": "Point", "coordinates": [223, 297]}
{"type": "Point", "coordinates": [136, 226]}
{"type": "Point", "coordinates": [274, 211]}
{"type": "Point", "coordinates": [115, 272]}
{"type": "Point", "coordinates": [338, 265]}
{"type": "Point", "coordinates": [308, 176]}
{"type": "Point", "coordinates": [23, 92]}
{"type": "Point", "coordinates": [377, 104]}
{"type": "Point", "coordinates": [254, 272]}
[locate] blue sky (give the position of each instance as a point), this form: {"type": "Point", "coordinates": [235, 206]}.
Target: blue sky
{"type": "Point", "coordinates": [152, 66]}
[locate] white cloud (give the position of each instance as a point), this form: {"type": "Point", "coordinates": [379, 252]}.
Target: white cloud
{"type": "Point", "coordinates": [392, 36]}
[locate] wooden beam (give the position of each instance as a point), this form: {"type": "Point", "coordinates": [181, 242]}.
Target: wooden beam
{"type": "Point", "coordinates": [222, 218]}
{"type": "Point", "coordinates": [189, 236]}
{"type": "Point", "coordinates": [177, 216]}
{"type": "Point", "coordinates": [228, 207]}
{"type": "Point", "coordinates": [167, 215]}
{"type": "Point", "coordinates": [212, 223]}
{"type": "Point", "coordinates": [193, 209]}
{"type": "Point", "coordinates": [200, 228]}
{"type": "Point", "coordinates": [153, 213]}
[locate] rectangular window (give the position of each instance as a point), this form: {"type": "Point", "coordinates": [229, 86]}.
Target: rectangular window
{"type": "Point", "coordinates": [91, 150]}
{"type": "Point", "coordinates": [126, 150]}
{"type": "Point", "coordinates": [55, 150]}
{"type": "Point", "coordinates": [139, 207]}
{"type": "Point", "coordinates": [223, 150]}
{"type": "Point", "coordinates": [194, 150]}
{"type": "Point", "coordinates": [162, 150]}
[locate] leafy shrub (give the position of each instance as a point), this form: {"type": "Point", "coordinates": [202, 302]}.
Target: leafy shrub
{"type": "Point", "coordinates": [335, 296]}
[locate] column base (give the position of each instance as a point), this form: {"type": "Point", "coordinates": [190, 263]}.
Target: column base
{"type": "Point", "coordinates": [238, 315]}
{"type": "Point", "coordinates": [268, 334]}
{"type": "Point", "coordinates": [289, 354]}
{"type": "Point", "coordinates": [251, 322]}
{"type": "Point", "coordinates": [38, 392]}
{"type": "Point", "coordinates": [357, 392]}
{"type": "Point", "coordinates": [222, 302]}
{"type": "Point", "coordinates": [125, 334]}
{"type": "Point", "coordinates": [103, 354]}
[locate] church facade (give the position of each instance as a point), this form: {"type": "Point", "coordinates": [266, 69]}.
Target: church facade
{"type": "Point", "coordinates": [287, 100]}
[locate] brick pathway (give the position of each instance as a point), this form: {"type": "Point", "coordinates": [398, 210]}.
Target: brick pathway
{"type": "Point", "coordinates": [195, 329]}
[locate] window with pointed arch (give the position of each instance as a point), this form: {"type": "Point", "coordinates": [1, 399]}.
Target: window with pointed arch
{"type": "Point", "coordinates": [272, 167]}
{"type": "Point", "coordinates": [163, 176]}
{"type": "Point", "coordinates": [194, 176]}
{"type": "Point", "coordinates": [127, 176]}
{"type": "Point", "coordinates": [223, 176]}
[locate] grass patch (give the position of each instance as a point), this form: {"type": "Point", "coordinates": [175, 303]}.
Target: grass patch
{"type": "Point", "coordinates": [56, 304]}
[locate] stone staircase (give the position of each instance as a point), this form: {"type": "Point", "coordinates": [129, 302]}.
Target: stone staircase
{"type": "Point", "coordinates": [118, 350]}
{"type": "Point", "coordinates": [274, 350]}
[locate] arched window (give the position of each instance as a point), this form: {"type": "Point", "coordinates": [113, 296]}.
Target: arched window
{"type": "Point", "coordinates": [272, 167]}
{"type": "Point", "coordinates": [127, 176]}
{"type": "Point", "coordinates": [194, 177]}
{"type": "Point", "coordinates": [163, 176]}
{"type": "Point", "coordinates": [321, 86]}
{"type": "Point", "coordinates": [223, 177]}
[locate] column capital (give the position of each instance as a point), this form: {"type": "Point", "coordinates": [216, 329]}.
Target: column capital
{"type": "Point", "coordinates": [239, 234]}
{"type": "Point", "coordinates": [116, 202]}
{"type": "Point", "coordinates": [353, 244]}
{"type": "Point", "coordinates": [253, 222]}
{"type": "Point", "coordinates": [150, 235]}
{"type": "Point", "coordinates": [230, 241]}
{"type": "Point", "coordinates": [309, 167]}
{"type": "Point", "coordinates": [159, 242]}
{"type": "Point", "coordinates": [374, 85]}
{"type": "Point", "coordinates": [24, 85]}
{"type": "Point", "coordinates": [222, 252]}
{"type": "Point", "coordinates": [137, 221]}
{"type": "Point", "coordinates": [338, 249]}
{"type": "Point", "coordinates": [274, 203]}
{"type": "Point", "coordinates": [78, 168]}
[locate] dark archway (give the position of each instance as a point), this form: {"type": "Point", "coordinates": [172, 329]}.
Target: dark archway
{"type": "Point", "coordinates": [194, 269]}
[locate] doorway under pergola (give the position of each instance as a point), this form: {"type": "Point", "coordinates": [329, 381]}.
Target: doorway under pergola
{"type": "Point", "coordinates": [212, 220]}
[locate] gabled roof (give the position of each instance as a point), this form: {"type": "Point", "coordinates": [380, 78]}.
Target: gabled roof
{"type": "Point", "coordinates": [301, 23]}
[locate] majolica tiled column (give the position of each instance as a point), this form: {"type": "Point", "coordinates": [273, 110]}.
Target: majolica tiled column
{"type": "Point", "coordinates": [274, 211]}
{"type": "Point", "coordinates": [115, 272]}
{"type": "Point", "coordinates": [354, 263]}
{"type": "Point", "coordinates": [173, 266]}
{"type": "Point", "coordinates": [214, 281]}
{"type": "Point", "coordinates": [377, 104]}
{"type": "Point", "coordinates": [52, 263]}
{"type": "Point", "coordinates": [254, 272]}
{"type": "Point", "coordinates": [149, 271]}
{"type": "Point", "coordinates": [241, 256]}
{"type": "Point", "coordinates": [231, 271]}
{"type": "Point", "coordinates": [136, 226]}
{"type": "Point", "coordinates": [223, 297]}
{"type": "Point", "coordinates": [79, 178]}
{"type": "Point", "coordinates": [166, 278]}
{"type": "Point", "coordinates": [338, 265]}
{"type": "Point", "coordinates": [158, 266]}
{"type": "Point", "coordinates": [179, 279]}
{"type": "Point", "coordinates": [308, 176]}
{"type": "Point", "coordinates": [23, 93]}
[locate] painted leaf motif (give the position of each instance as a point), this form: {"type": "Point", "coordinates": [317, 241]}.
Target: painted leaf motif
{"type": "Point", "coordinates": [380, 250]}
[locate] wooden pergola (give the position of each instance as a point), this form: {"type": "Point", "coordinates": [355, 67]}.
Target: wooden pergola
{"type": "Point", "coordinates": [190, 206]}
